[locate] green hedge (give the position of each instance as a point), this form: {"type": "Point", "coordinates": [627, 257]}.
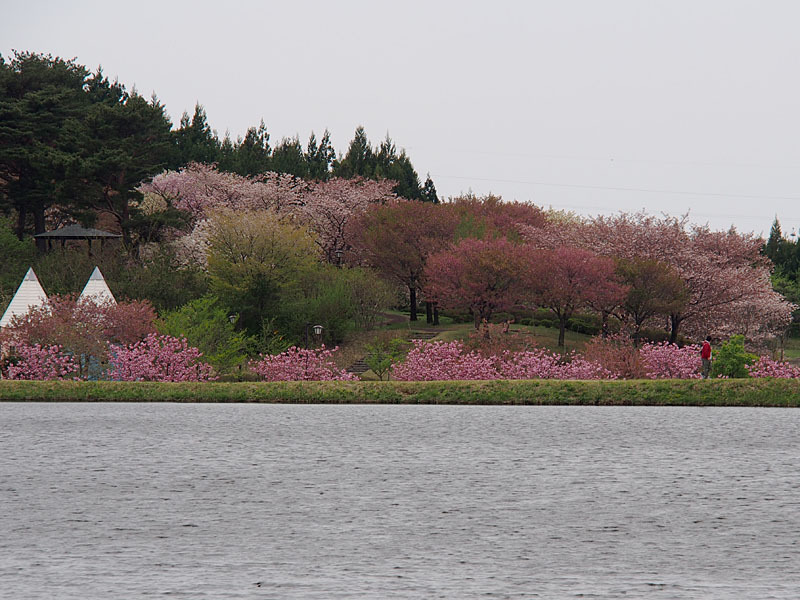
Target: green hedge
{"type": "Point", "coordinates": [730, 392]}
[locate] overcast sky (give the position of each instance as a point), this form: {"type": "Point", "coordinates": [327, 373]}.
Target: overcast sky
{"type": "Point", "coordinates": [591, 106]}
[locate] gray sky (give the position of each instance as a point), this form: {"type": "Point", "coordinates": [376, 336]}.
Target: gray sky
{"type": "Point", "coordinates": [592, 106]}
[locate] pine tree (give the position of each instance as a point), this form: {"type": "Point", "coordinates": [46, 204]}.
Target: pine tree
{"type": "Point", "coordinates": [429, 191]}
{"type": "Point", "coordinates": [195, 140]}
{"type": "Point", "coordinates": [359, 160]}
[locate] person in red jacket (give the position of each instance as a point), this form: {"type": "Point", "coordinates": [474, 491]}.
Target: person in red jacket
{"type": "Point", "coordinates": [705, 354]}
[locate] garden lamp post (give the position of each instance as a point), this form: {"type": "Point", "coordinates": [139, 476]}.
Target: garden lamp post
{"type": "Point", "coordinates": [317, 331]}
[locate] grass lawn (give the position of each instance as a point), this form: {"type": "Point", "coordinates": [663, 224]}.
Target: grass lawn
{"type": "Point", "coordinates": [664, 392]}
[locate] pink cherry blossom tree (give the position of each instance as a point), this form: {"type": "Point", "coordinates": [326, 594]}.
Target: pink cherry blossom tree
{"type": "Point", "coordinates": [158, 358]}
{"type": "Point", "coordinates": [481, 276]}
{"type": "Point", "coordinates": [42, 363]}
{"type": "Point", "coordinates": [567, 279]}
{"type": "Point", "coordinates": [329, 206]}
{"type": "Point", "coordinates": [301, 364]}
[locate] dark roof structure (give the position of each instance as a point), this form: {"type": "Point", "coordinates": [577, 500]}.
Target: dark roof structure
{"type": "Point", "coordinates": [76, 232]}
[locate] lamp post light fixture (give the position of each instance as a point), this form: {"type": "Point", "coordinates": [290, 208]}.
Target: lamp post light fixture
{"type": "Point", "coordinates": [339, 253]}
{"type": "Point", "coordinates": [317, 329]}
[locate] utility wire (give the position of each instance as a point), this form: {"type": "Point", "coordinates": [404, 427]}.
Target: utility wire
{"type": "Point", "coordinates": [622, 189]}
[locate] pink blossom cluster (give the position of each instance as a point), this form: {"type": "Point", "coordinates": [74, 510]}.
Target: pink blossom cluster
{"type": "Point", "coordinates": [541, 364]}
{"type": "Point", "coordinates": [42, 363]}
{"type": "Point", "coordinates": [436, 361]}
{"type": "Point", "coordinates": [439, 361]}
{"type": "Point", "coordinates": [668, 361]}
{"type": "Point", "coordinates": [300, 364]}
{"type": "Point", "coordinates": [766, 367]}
{"type": "Point", "coordinates": [158, 358]}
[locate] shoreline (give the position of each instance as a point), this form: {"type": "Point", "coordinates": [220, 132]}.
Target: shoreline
{"type": "Point", "coordinates": [674, 392]}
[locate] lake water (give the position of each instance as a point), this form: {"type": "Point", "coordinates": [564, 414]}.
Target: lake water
{"type": "Point", "coordinates": [295, 501]}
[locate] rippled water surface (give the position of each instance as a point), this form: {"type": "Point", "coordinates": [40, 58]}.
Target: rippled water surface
{"type": "Point", "coordinates": [274, 501]}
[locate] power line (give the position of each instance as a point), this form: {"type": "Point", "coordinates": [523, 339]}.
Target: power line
{"type": "Point", "coordinates": [622, 189]}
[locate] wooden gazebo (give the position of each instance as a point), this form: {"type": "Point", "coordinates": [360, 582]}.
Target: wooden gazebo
{"type": "Point", "coordinates": [76, 232]}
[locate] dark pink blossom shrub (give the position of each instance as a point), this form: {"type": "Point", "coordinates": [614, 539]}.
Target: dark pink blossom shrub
{"type": "Point", "coordinates": [541, 364]}
{"type": "Point", "coordinates": [42, 363]}
{"type": "Point", "coordinates": [766, 367]}
{"type": "Point", "coordinates": [434, 361]}
{"type": "Point", "coordinates": [668, 361]}
{"type": "Point", "coordinates": [299, 364]}
{"type": "Point", "coordinates": [441, 361]}
{"type": "Point", "coordinates": [158, 358]}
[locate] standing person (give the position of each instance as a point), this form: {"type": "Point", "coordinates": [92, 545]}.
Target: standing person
{"type": "Point", "coordinates": [705, 354]}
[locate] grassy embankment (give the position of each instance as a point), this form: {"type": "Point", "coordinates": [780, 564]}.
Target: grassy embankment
{"type": "Point", "coordinates": [734, 392]}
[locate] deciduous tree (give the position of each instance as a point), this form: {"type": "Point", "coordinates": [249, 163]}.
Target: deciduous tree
{"type": "Point", "coordinates": [481, 276]}
{"type": "Point", "coordinates": [397, 238]}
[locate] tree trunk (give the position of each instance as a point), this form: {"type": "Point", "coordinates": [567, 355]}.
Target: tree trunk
{"type": "Point", "coordinates": [604, 328]}
{"type": "Point", "coordinates": [38, 227]}
{"type": "Point", "coordinates": [674, 322]}
{"type": "Point", "coordinates": [22, 215]}
{"type": "Point", "coordinates": [428, 312]}
{"type": "Point", "coordinates": [435, 315]}
{"type": "Point", "coordinates": [562, 329]}
{"type": "Point", "coordinates": [412, 292]}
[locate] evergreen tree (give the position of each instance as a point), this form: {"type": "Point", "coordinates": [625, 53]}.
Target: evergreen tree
{"type": "Point", "coordinates": [772, 247]}
{"type": "Point", "coordinates": [40, 99]}
{"type": "Point", "coordinates": [119, 143]}
{"type": "Point", "coordinates": [252, 154]}
{"type": "Point", "coordinates": [359, 160]}
{"type": "Point", "coordinates": [288, 158]}
{"type": "Point", "coordinates": [227, 154]}
{"type": "Point", "coordinates": [429, 191]}
{"type": "Point", "coordinates": [320, 158]}
{"type": "Point", "coordinates": [196, 142]}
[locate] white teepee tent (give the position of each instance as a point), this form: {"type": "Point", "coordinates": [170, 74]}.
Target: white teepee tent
{"type": "Point", "coordinates": [29, 294]}
{"type": "Point", "coordinates": [97, 289]}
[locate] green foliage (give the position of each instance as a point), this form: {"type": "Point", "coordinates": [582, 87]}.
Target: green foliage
{"type": "Point", "coordinates": [288, 158]}
{"type": "Point", "coordinates": [256, 262]}
{"type": "Point", "coordinates": [382, 354]}
{"type": "Point", "coordinates": [428, 193]}
{"type": "Point", "coordinates": [732, 359]}
{"type": "Point", "coordinates": [207, 326]}
{"type": "Point", "coordinates": [382, 162]}
{"type": "Point", "coordinates": [269, 339]}
{"type": "Point", "coordinates": [17, 255]}
{"type": "Point", "coordinates": [320, 157]}
{"type": "Point", "coordinates": [196, 142]}
{"type": "Point", "coordinates": [326, 302]}
{"type": "Point", "coordinates": [339, 299]}
{"type": "Point", "coordinates": [157, 278]}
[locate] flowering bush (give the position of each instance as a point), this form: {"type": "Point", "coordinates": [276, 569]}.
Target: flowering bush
{"type": "Point", "coordinates": [438, 361]}
{"type": "Point", "coordinates": [82, 327]}
{"type": "Point", "coordinates": [42, 363]}
{"type": "Point", "coordinates": [433, 361]}
{"type": "Point", "coordinates": [541, 364]}
{"type": "Point", "coordinates": [158, 358]}
{"type": "Point", "coordinates": [668, 361]}
{"type": "Point", "coordinates": [298, 364]}
{"type": "Point", "coordinates": [766, 367]}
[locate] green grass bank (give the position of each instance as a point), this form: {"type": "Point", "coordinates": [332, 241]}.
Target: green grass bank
{"type": "Point", "coordinates": [732, 392]}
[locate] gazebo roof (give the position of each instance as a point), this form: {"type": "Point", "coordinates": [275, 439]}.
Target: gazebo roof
{"type": "Point", "coordinates": [76, 232]}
